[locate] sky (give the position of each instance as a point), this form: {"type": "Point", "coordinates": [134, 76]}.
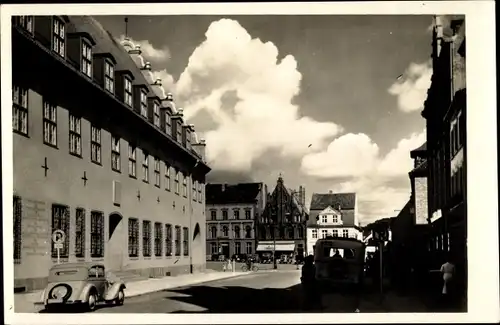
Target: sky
{"type": "Point", "coordinates": [329, 102]}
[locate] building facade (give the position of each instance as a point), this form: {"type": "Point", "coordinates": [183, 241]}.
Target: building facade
{"type": "Point", "coordinates": [231, 211]}
{"type": "Point", "coordinates": [101, 153]}
{"type": "Point", "coordinates": [281, 229]}
{"type": "Point", "coordinates": [445, 114]}
{"type": "Point", "coordinates": [332, 214]}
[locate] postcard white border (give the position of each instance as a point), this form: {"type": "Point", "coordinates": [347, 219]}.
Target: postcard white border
{"type": "Point", "coordinates": [483, 302]}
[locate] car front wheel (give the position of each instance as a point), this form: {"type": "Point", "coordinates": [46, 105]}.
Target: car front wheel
{"type": "Point", "coordinates": [92, 302]}
{"type": "Point", "coordinates": [120, 298]}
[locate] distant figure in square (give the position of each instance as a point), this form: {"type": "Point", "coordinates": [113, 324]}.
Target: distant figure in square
{"type": "Point", "coordinates": [311, 296]}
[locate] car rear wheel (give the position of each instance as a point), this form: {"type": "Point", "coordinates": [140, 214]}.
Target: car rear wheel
{"type": "Point", "coordinates": [120, 298]}
{"type": "Point", "coordinates": [92, 302]}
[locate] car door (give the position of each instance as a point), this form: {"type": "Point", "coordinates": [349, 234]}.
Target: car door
{"type": "Point", "coordinates": [99, 280]}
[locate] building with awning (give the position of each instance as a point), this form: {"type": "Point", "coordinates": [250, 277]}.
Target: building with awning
{"type": "Point", "coordinates": [283, 222]}
{"type": "Point", "coordinates": [280, 246]}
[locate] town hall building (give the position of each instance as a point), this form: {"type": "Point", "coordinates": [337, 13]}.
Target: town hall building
{"type": "Point", "coordinates": [101, 153]}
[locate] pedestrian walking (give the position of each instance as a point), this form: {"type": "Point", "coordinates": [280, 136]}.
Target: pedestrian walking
{"type": "Point", "coordinates": [448, 271]}
{"type": "Point", "coordinates": [311, 296]}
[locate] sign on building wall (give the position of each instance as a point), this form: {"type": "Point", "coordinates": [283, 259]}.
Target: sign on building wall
{"type": "Point", "coordinates": [420, 210]}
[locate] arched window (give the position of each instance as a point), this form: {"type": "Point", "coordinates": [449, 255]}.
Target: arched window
{"type": "Point", "coordinates": [248, 232]}
{"type": "Point", "coordinates": [236, 232]}
{"type": "Point", "coordinates": [225, 231]}
{"type": "Point", "coordinates": [213, 232]}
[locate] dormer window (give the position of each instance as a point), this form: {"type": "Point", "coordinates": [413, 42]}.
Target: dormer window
{"type": "Point", "coordinates": [128, 92]}
{"type": "Point", "coordinates": [144, 104]}
{"type": "Point", "coordinates": [179, 132]}
{"type": "Point", "coordinates": [86, 59]}
{"type": "Point", "coordinates": [156, 111]}
{"type": "Point", "coordinates": [109, 77]}
{"type": "Point", "coordinates": [168, 123]}
{"type": "Point", "coordinates": [26, 22]}
{"type": "Point", "coordinates": [58, 39]}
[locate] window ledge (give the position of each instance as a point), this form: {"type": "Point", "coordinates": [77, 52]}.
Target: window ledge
{"type": "Point", "coordinates": [21, 133]}
{"type": "Point", "coordinates": [116, 170]}
{"type": "Point", "coordinates": [132, 176]}
{"type": "Point", "coordinates": [76, 155]}
{"type": "Point", "coordinates": [51, 145]}
{"type": "Point", "coordinates": [96, 162]}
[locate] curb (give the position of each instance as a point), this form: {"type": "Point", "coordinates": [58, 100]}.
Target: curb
{"type": "Point", "coordinates": [188, 285]}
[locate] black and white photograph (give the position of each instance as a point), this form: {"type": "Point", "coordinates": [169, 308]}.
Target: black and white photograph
{"type": "Point", "coordinates": [214, 160]}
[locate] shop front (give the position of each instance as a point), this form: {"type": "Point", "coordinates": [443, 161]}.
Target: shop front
{"type": "Point", "coordinates": [283, 250]}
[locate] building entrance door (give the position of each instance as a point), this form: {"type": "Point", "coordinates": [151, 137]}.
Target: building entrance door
{"type": "Point", "coordinates": [225, 249]}
{"type": "Point", "coordinates": [116, 243]}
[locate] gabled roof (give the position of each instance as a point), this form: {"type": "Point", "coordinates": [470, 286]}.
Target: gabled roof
{"type": "Point", "coordinates": [419, 151]}
{"type": "Point", "coordinates": [232, 193]}
{"type": "Point", "coordinates": [322, 201]}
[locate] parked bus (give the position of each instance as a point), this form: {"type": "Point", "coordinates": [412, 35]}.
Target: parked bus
{"type": "Point", "coordinates": [339, 261]}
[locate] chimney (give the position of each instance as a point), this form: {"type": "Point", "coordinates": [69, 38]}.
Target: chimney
{"type": "Point", "coordinates": [180, 112]}
{"type": "Point", "coordinates": [158, 82]}
{"type": "Point", "coordinates": [147, 66]}
{"type": "Point", "coordinates": [330, 192]}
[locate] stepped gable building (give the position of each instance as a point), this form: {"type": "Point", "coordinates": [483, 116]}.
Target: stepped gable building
{"type": "Point", "coordinates": [281, 228]}
{"type": "Point", "coordinates": [231, 211]}
{"type": "Point", "coordinates": [332, 214]}
{"type": "Point", "coordinates": [101, 153]}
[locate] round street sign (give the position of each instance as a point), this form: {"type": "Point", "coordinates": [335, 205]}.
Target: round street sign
{"type": "Point", "coordinates": [58, 236]}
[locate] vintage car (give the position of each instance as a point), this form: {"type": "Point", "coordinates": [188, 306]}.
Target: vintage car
{"type": "Point", "coordinates": [81, 284]}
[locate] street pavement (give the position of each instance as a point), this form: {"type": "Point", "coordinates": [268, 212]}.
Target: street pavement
{"type": "Point", "coordinates": [261, 292]}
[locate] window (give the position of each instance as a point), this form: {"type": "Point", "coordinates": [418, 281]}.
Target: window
{"type": "Point", "coordinates": [177, 241]}
{"type": "Point", "coordinates": [236, 232]}
{"type": "Point", "coordinates": [144, 104]}
{"type": "Point", "coordinates": [335, 218]}
{"type": "Point", "coordinates": [248, 214]}
{"type": "Point", "coordinates": [168, 240]}
{"type": "Point", "coordinates": [213, 248]}
{"type": "Point", "coordinates": [26, 22]}
{"type": "Point", "coordinates": [168, 123]}
{"type": "Point", "coordinates": [184, 185]}
{"type": "Point", "coordinates": [213, 215]}
{"type": "Point", "coordinates": [58, 42]}
{"type": "Point", "coordinates": [176, 182]}
{"type": "Point", "coordinates": [133, 237]}
{"type": "Point", "coordinates": [158, 238]}
{"type": "Point", "coordinates": [199, 192]}
{"type": "Point", "coordinates": [185, 241]}
{"type": "Point", "coordinates": [236, 214]}
{"type": "Point", "coordinates": [96, 234]}
{"type": "Point", "coordinates": [237, 248]}
{"type": "Point", "coordinates": [20, 110]}
{"type": "Point", "coordinates": [132, 162]}
{"type": "Point", "coordinates": [17, 209]}
{"type": "Point", "coordinates": [167, 177]}
{"type": "Point", "coordinates": [146, 238]}
{"type": "Point", "coordinates": [314, 233]}
{"type": "Point", "coordinates": [75, 135]}
{"type": "Point", "coordinates": [213, 232]}
{"type": "Point", "coordinates": [324, 219]}
{"type": "Point", "coordinates": [80, 233]}
{"type": "Point", "coordinates": [224, 214]}
{"type": "Point", "coordinates": [157, 172]}
{"type": "Point", "coordinates": [248, 232]}
{"type": "Point", "coordinates": [145, 167]}
{"type": "Point", "coordinates": [249, 248]}
{"type": "Point", "coordinates": [291, 233]}
{"type": "Point", "coordinates": [323, 233]}
{"type": "Point", "coordinates": [60, 220]}
{"type": "Point", "coordinates": [109, 77]}
{"type": "Point", "coordinates": [128, 92]}
{"type": "Point", "coordinates": [345, 233]}
{"type": "Point", "coordinates": [49, 123]}
{"type": "Point", "coordinates": [115, 153]}
{"type": "Point", "coordinates": [225, 231]}
{"type": "Point", "coordinates": [156, 111]}
{"type": "Point", "coordinates": [95, 144]}
{"type": "Point", "coordinates": [179, 132]}
{"type": "Point", "coordinates": [301, 232]}
{"type": "Point", "coordinates": [194, 185]}
{"type": "Point", "coordinates": [335, 233]}
{"type": "Point", "coordinates": [86, 59]}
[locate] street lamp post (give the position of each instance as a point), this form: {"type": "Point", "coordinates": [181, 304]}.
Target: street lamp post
{"type": "Point", "coordinates": [275, 266]}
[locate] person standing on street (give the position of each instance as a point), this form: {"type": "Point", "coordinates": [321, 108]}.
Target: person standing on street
{"type": "Point", "coordinates": [448, 271]}
{"type": "Point", "coordinates": [311, 296]}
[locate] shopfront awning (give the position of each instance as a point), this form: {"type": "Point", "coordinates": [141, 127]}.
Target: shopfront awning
{"type": "Point", "coordinates": [278, 248]}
